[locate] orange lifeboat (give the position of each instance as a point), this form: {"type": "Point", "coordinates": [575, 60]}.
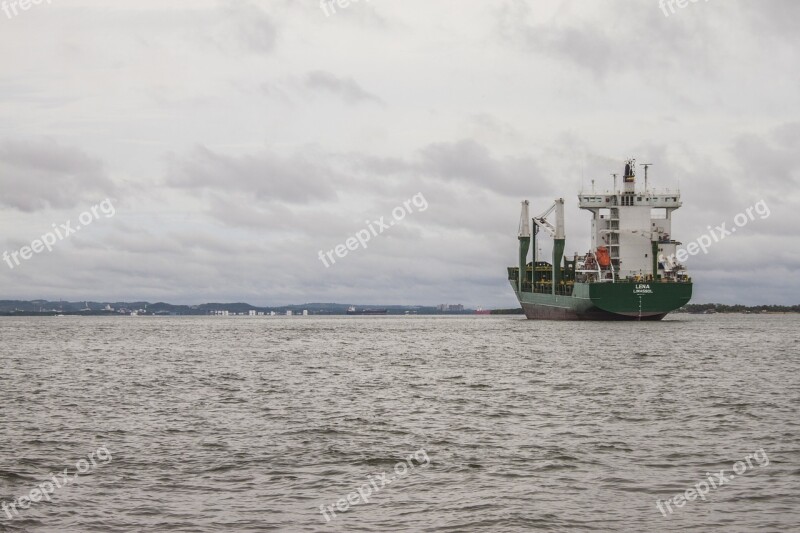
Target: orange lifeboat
{"type": "Point", "coordinates": [603, 258]}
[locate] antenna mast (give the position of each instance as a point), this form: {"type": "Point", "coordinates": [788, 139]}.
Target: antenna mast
{"type": "Point", "coordinates": [646, 166]}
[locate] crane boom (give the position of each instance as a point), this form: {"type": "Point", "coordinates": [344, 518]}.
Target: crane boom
{"type": "Point", "coordinates": [557, 231]}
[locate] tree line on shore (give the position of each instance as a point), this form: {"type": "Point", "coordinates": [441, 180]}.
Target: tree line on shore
{"type": "Point", "coordinates": [739, 308]}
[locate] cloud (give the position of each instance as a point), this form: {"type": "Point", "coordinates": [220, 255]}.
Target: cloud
{"type": "Point", "coordinates": [298, 178]}
{"type": "Point", "coordinates": [40, 174]}
{"type": "Point", "coordinates": [771, 160]}
{"type": "Point", "coordinates": [776, 21]}
{"type": "Point", "coordinates": [248, 25]}
{"type": "Point", "coordinates": [345, 88]}
{"type": "Point", "coordinates": [471, 162]}
{"type": "Point", "coordinates": [487, 126]}
{"type": "Point", "coordinates": [639, 38]}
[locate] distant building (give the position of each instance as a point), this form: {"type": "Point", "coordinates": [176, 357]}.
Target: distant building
{"type": "Point", "coordinates": [456, 307]}
{"type": "Point", "coordinates": [305, 312]}
{"type": "Point", "coordinates": [251, 313]}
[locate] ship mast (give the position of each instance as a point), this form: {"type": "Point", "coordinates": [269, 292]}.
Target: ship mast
{"type": "Point", "coordinates": [524, 243]}
{"type": "Point", "coordinates": [559, 237]}
{"type": "Point", "coordinates": [646, 166]}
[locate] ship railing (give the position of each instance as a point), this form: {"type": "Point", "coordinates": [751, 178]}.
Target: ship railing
{"type": "Point", "coordinates": [652, 191]}
{"type": "Point", "coordinates": [602, 274]}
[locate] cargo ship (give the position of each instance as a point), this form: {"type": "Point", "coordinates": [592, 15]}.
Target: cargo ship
{"type": "Point", "coordinates": [630, 272]}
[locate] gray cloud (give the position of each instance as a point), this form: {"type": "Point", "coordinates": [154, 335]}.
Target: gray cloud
{"type": "Point", "coordinates": [775, 21]}
{"type": "Point", "coordinates": [773, 160]}
{"type": "Point", "coordinates": [39, 174]}
{"type": "Point", "coordinates": [345, 88]}
{"type": "Point", "coordinates": [472, 162]}
{"type": "Point", "coordinates": [248, 24]}
{"type": "Point", "coordinates": [268, 177]}
{"type": "Point", "coordinates": [639, 38]}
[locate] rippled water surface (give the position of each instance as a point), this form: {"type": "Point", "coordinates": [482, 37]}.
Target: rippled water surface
{"type": "Point", "coordinates": [252, 424]}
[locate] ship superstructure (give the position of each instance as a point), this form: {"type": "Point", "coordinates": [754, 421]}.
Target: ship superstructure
{"type": "Point", "coordinates": [630, 272]}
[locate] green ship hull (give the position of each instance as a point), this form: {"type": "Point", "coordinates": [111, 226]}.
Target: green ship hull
{"type": "Point", "coordinates": [622, 300]}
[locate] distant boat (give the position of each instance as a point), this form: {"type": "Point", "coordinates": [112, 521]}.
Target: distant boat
{"type": "Point", "coordinates": [353, 311]}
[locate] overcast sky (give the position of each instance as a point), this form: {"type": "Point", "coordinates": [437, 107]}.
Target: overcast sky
{"type": "Point", "coordinates": [237, 139]}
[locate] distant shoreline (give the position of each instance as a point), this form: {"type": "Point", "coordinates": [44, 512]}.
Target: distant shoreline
{"type": "Point", "coordinates": [52, 308]}
{"type": "Point", "coordinates": [493, 312]}
{"type": "Point", "coordinates": [738, 309]}
{"type": "Point", "coordinates": [240, 315]}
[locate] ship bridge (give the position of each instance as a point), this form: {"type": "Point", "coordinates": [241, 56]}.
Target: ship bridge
{"type": "Point", "coordinates": [634, 223]}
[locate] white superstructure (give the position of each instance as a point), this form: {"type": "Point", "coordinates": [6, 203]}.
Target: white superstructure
{"type": "Point", "coordinates": [632, 224]}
